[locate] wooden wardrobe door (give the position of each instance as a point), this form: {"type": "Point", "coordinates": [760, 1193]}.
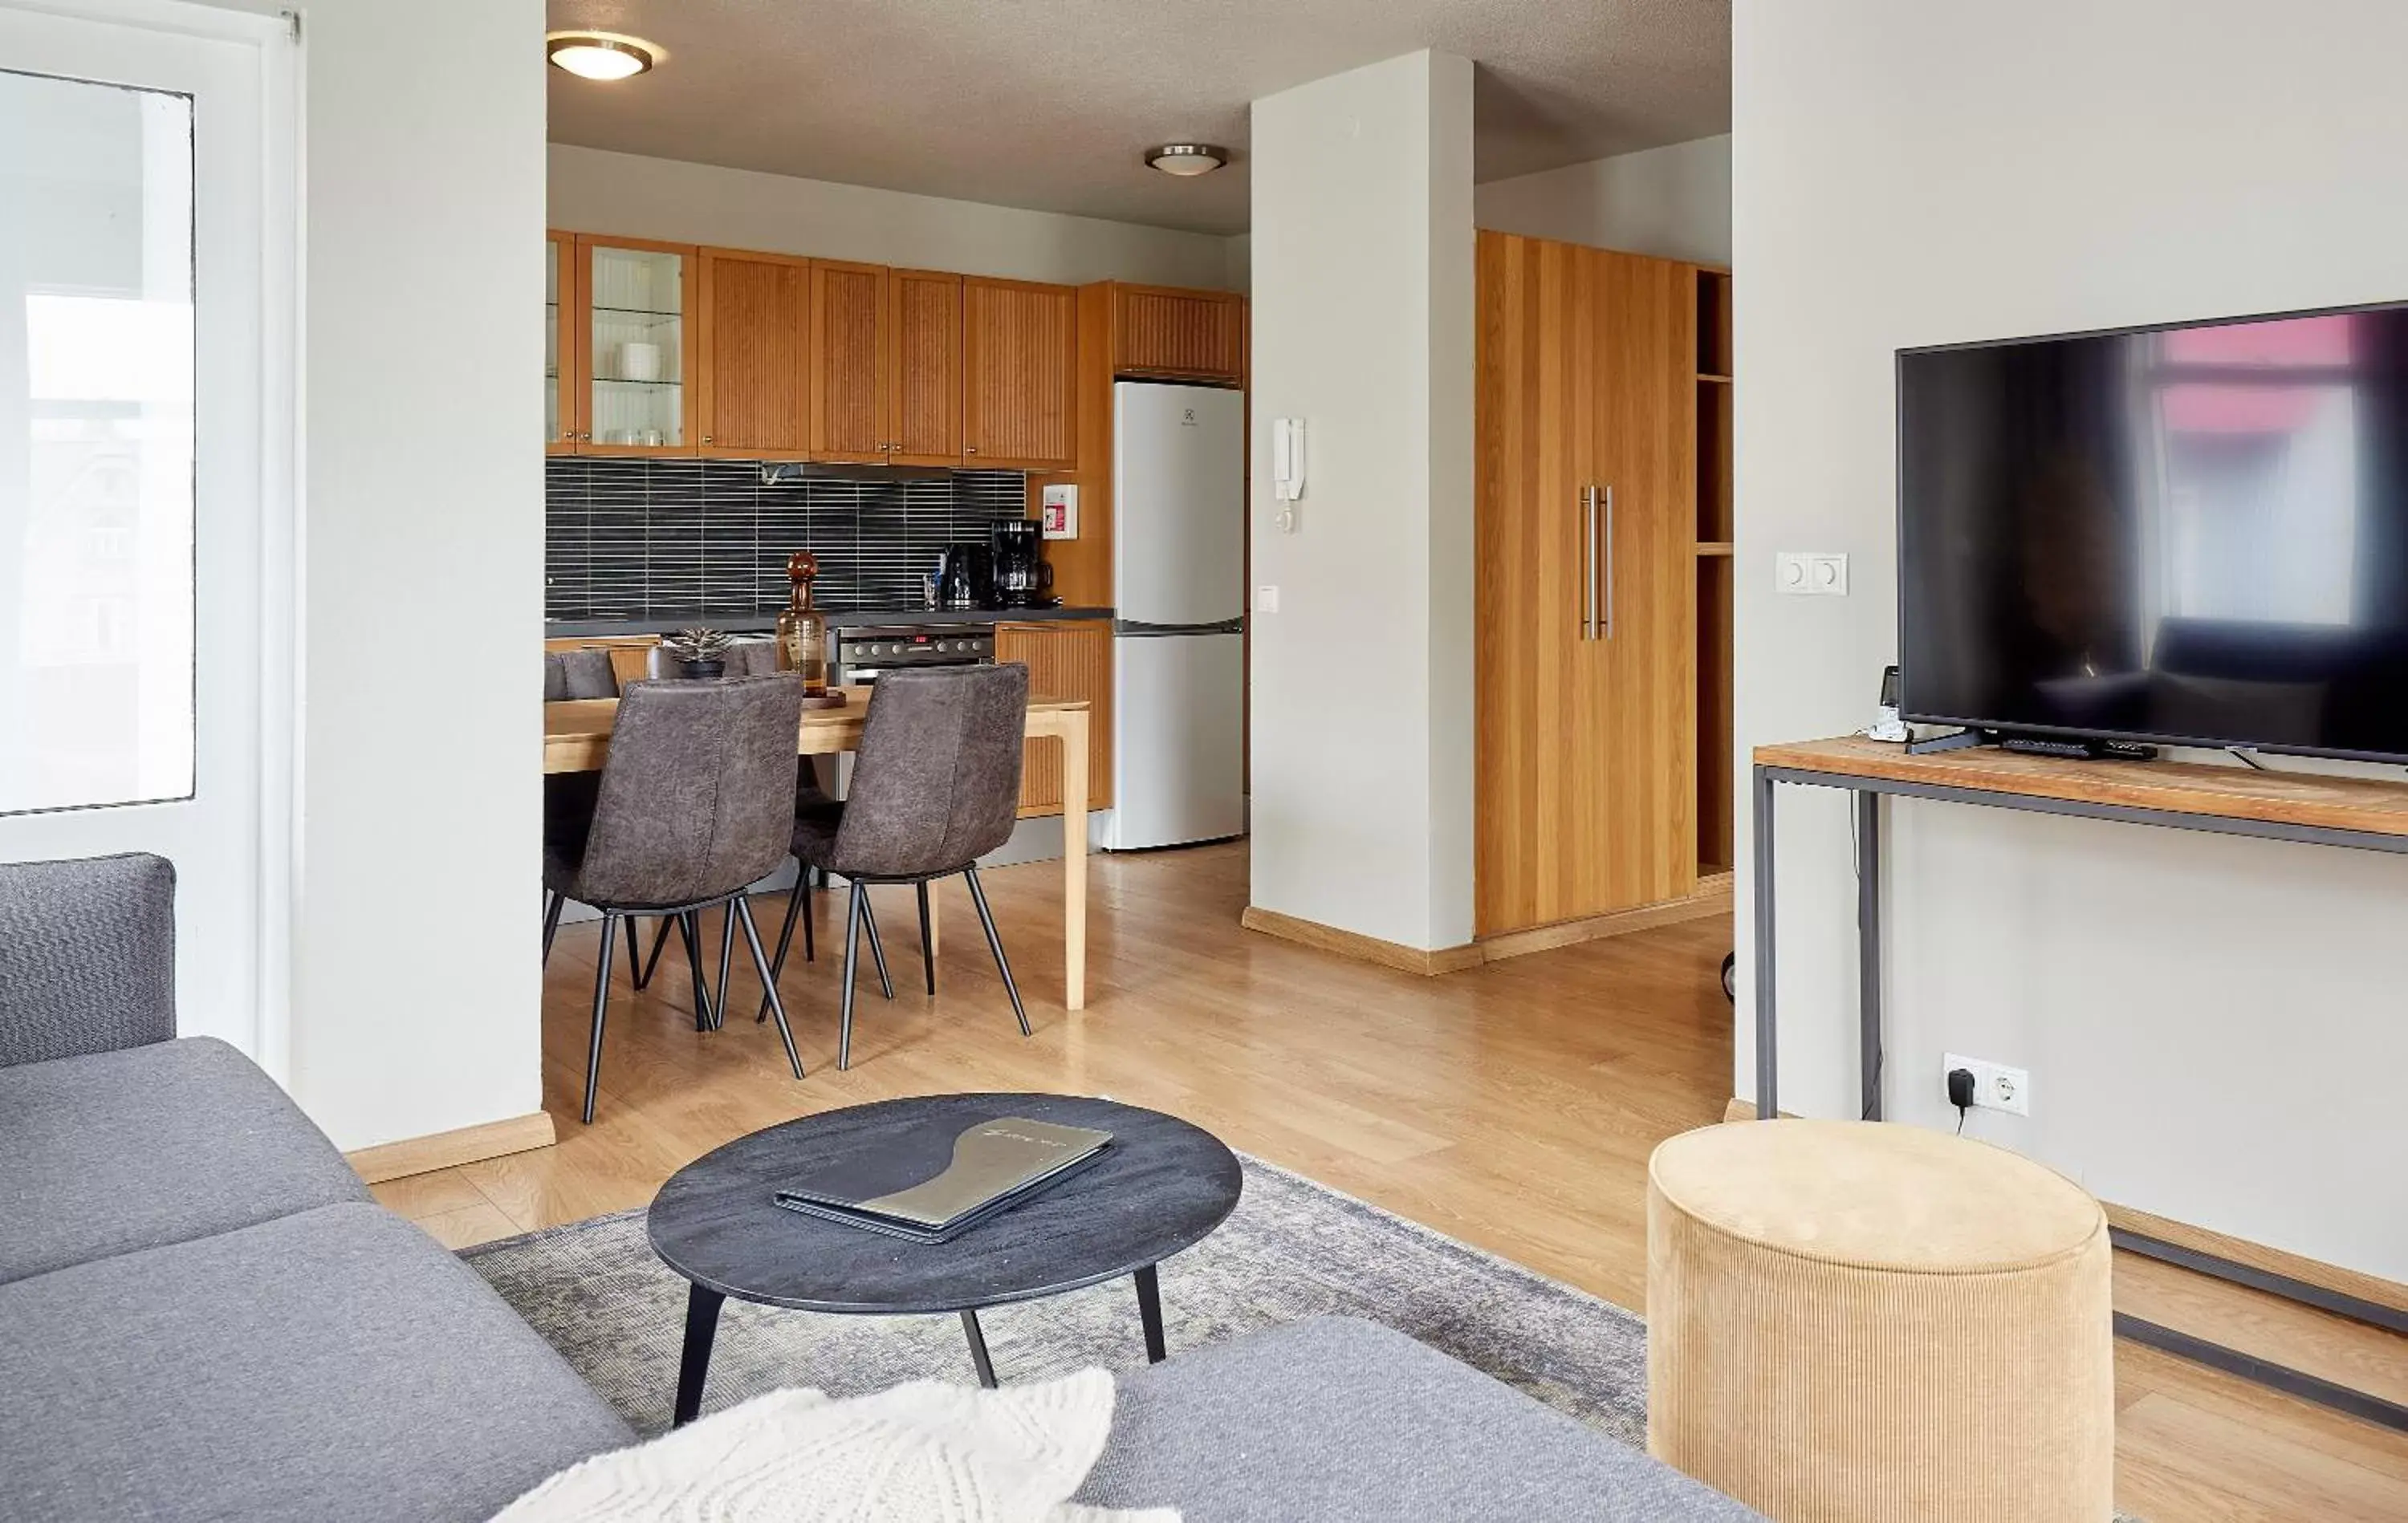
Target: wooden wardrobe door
{"type": "Point", "coordinates": [851, 324]}
{"type": "Point", "coordinates": [1646, 415]}
{"type": "Point", "coordinates": [1539, 807]}
{"type": "Point", "coordinates": [753, 396]}
{"type": "Point", "coordinates": [928, 367]}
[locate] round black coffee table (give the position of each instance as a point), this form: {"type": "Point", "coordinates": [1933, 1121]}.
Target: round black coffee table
{"type": "Point", "coordinates": [1160, 1187]}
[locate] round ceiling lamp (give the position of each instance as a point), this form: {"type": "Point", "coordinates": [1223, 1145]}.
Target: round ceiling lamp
{"type": "Point", "coordinates": [1186, 159]}
{"type": "Point", "coordinates": [600, 55]}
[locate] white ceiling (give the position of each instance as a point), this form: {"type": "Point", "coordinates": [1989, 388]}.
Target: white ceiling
{"type": "Point", "coordinates": [1049, 103]}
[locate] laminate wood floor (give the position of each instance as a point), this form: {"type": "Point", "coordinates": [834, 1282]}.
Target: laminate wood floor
{"type": "Point", "coordinates": [1512, 1106]}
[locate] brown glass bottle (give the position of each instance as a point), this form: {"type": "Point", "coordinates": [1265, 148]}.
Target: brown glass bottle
{"type": "Point", "coordinates": [802, 630]}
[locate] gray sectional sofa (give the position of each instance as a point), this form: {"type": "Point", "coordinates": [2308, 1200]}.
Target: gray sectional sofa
{"type": "Point", "coordinates": [203, 1316]}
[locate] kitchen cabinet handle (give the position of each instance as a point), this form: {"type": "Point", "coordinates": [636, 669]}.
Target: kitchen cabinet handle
{"type": "Point", "coordinates": [706, 438]}
{"type": "Point", "coordinates": [1608, 564]}
{"type": "Point", "coordinates": [1589, 557]}
{"type": "Point", "coordinates": [970, 450]}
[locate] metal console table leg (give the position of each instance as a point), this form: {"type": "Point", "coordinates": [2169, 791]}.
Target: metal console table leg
{"type": "Point", "coordinates": [1868, 953]}
{"type": "Point", "coordinates": [1768, 1052]}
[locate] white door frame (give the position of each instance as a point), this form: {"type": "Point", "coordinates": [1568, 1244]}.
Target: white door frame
{"type": "Point", "coordinates": [276, 37]}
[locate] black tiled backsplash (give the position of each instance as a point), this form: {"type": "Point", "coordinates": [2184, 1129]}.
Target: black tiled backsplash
{"type": "Point", "coordinates": [637, 540]}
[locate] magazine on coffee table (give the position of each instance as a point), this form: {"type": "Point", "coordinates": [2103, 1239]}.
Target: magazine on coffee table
{"type": "Point", "coordinates": [995, 1165]}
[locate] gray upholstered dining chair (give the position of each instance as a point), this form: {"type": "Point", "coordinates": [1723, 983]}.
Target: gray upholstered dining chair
{"type": "Point", "coordinates": [696, 803]}
{"type": "Point", "coordinates": [578, 673]}
{"type": "Point", "coordinates": [936, 786]}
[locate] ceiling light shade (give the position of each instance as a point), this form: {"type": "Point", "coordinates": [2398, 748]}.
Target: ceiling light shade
{"type": "Point", "coordinates": [600, 55]}
{"type": "Point", "coordinates": [1186, 159]}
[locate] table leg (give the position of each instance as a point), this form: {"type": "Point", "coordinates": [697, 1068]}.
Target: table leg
{"type": "Point", "coordinates": [1868, 953]}
{"type": "Point", "coordinates": [978, 1349]}
{"type": "Point", "coordinates": [1074, 861]}
{"type": "Point", "coordinates": [701, 1327]}
{"type": "Point", "coordinates": [1768, 1047]}
{"type": "Point", "coordinates": [1149, 1311]}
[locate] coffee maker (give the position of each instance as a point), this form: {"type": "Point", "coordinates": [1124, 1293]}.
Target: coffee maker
{"type": "Point", "coordinates": [1021, 577]}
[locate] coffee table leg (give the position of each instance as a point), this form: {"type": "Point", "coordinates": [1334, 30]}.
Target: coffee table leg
{"type": "Point", "coordinates": [1149, 1311]}
{"type": "Point", "coordinates": [978, 1349]}
{"type": "Point", "coordinates": [701, 1327]}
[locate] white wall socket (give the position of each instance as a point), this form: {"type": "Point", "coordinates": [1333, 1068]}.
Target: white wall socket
{"type": "Point", "coordinates": [1996, 1086]}
{"type": "Point", "coordinates": [1811, 573]}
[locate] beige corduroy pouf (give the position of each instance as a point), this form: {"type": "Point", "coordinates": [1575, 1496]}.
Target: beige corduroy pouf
{"type": "Point", "coordinates": [1858, 1322]}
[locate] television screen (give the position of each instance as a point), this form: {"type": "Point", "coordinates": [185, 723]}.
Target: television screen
{"type": "Point", "coordinates": [2191, 534]}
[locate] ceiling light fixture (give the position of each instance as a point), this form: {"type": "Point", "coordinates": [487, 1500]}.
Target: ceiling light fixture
{"type": "Point", "coordinates": [600, 55]}
{"type": "Point", "coordinates": [1186, 159]}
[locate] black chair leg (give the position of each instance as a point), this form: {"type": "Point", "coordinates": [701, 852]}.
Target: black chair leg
{"type": "Point", "coordinates": [601, 1009]}
{"type": "Point", "coordinates": [877, 949]}
{"type": "Point", "coordinates": [690, 931]}
{"type": "Point", "coordinates": [853, 909]}
{"type": "Point", "coordinates": [660, 939]}
{"type": "Point", "coordinates": [632, 964]}
{"type": "Point", "coordinates": [768, 983]}
{"type": "Point", "coordinates": [727, 949]}
{"type": "Point", "coordinates": [795, 900]}
{"type": "Point", "coordinates": [810, 948]}
{"type": "Point", "coordinates": [927, 942]}
{"type": "Point", "coordinates": [552, 903]}
{"type": "Point", "coordinates": [995, 945]}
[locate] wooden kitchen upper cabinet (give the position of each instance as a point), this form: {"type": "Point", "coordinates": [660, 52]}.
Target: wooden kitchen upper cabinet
{"type": "Point", "coordinates": [1019, 374]}
{"type": "Point", "coordinates": [754, 392]}
{"type": "Point", "coordinates": [1583, 576]}
{"type": "Point", "coordinates": [851, 355]}
{"type": "Point", "coordinates": [1174, 335]}
{"type": "Point", "coordinates": [563, 321]}
{"type": "Point", "coordinates": [1066, 658]}
{"type": "Point", "coordinates": [925, 407]}
{"type": "Point", "coordinates": [635, 349]}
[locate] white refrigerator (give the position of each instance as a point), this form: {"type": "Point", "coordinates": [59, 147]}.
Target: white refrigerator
{"type": "Point", "coordinates": [1178, 670]}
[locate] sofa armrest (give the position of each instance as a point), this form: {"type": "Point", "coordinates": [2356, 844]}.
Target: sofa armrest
{"type": "Point", "coordinates": [87, 956]}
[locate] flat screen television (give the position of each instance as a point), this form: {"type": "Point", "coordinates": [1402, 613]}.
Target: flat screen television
{"type": "Point", "coordinates": [2188, 534]}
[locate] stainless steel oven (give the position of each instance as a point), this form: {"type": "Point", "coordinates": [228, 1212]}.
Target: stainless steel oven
{"type": "Point", "coordinates": [864, 652]}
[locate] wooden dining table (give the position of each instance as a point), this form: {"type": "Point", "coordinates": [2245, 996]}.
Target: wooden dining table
{"type": "Point", "coordinates": [577, 738]}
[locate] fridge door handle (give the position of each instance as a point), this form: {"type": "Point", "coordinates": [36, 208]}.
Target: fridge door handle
{"type": "Point", "coordinates": [1608, 563]}
{"type": "Point", "coordinates": [1588, 556]}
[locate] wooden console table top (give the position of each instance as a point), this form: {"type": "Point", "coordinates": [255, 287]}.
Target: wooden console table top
{"type": "Point", "coordinates": [2370, 806]}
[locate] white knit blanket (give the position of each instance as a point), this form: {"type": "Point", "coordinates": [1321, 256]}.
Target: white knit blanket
{"type": "Point", "coordinates": [920, 1453]}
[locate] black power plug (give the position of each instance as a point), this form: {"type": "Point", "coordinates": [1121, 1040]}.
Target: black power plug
{"type": "Point", "coordinates": [1960, 1094]}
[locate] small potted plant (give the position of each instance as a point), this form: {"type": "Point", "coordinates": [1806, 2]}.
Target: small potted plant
{"type": "Point", "coordinates": [700, 654]}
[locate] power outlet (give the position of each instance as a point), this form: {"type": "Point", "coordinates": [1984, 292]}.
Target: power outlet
{"type": "Point", "coordinates": [1996, 1085]}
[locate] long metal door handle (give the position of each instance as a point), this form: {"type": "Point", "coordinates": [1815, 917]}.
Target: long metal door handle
{"type": "Point", "coordinates": [1588, 554]}
{"type": "Point", "coordinates": [1608, 564]}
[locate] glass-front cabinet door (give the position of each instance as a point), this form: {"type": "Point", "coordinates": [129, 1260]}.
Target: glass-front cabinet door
{"type": "Point", "coordinates": [638, 346]}
{"type": "Point", "coordinates": [559, 342]}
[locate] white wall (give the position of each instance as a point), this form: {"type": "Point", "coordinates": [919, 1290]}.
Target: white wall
{"type": "Point", "coordinates": [1362, 326]}
{"type": "Point", "coordinates": [1674, 202]}
{"type": "Point", "coordinates": [1238, 262]}
{"type": "Point", "coordinates": [596, 191]}
{"type": "Point", "coordinates": [2212, 1025]}
{"type": "Point", "coordinates": [416, 997]}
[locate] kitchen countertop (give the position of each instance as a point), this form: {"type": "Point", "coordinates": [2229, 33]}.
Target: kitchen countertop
{"type": "Point", "coordinates": [573, 628]}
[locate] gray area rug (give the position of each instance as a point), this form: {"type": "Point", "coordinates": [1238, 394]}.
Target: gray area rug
{"type": "Point", "coordinates": [1292, 1249]}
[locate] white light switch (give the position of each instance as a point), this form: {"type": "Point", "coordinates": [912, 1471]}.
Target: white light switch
{"type": "Point", "coordinates": [1811, 573]}
{"type": "Point", "coordinates": [1267, 599]}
